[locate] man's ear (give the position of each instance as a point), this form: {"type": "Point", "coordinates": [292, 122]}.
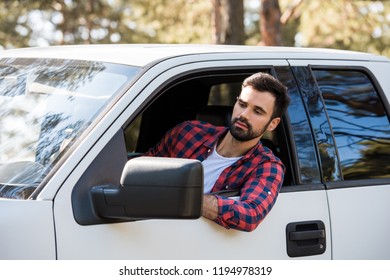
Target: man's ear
{"type": "Point", "coordinates": [273, 124]}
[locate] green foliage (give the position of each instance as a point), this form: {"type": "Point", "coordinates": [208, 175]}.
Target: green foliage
{"type": "Point", "coordinates": [54, 22]}
{"type": "Point", "coordinates": [177, 21]}
{"type": "Point", "coordinates": [346, 24]}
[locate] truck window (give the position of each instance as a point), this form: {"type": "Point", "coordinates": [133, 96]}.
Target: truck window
{"type": "Point", "coordinates": [45, 107]}
{"type": "Point", "coordinates": [359, 123]}
{"type": "Point", "coordinates": [195, 97]}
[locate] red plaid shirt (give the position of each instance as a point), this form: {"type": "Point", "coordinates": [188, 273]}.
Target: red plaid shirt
{"type": "Point", "coordinates": [258, 174]}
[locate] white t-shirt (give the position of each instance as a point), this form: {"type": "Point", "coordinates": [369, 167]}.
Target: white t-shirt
{"type": "Point", "coordinates": [213, 167]}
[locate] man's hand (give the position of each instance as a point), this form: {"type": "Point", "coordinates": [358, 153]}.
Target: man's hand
{"type": "Point", "coordinates": [210, 207]}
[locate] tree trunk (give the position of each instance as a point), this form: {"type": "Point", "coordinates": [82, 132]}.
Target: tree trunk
{"type": "Point", "coordinates": [270, 25]}
{"type": "Point", "coordinates": [228, 22]}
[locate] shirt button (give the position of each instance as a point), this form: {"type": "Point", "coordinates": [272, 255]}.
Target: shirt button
{"type": "Point", "coordinates": [209, 150]}
{"type": "Point", "coordinates": [226, 187]}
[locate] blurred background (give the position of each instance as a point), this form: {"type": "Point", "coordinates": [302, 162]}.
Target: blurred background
{"type": "Point", "coordinates": [360, 25]}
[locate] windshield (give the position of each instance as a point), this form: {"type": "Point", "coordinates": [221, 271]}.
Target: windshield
{"type": "Point", "coordinates": [44, 106]}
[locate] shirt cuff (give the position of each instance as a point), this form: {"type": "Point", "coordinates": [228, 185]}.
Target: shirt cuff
{"type": "Point", "coordinates": [225, 211]}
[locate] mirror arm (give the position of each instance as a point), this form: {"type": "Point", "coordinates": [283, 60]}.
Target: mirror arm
{"type": "Point", "coordinates": [106, 202]}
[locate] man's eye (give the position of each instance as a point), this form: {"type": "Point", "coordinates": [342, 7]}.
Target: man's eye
{"type": "Point", "coordinates": [259, 112]}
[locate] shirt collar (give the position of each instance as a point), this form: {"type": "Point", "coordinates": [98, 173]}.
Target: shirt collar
{"type": "Point", "coordinates": [212, 141]}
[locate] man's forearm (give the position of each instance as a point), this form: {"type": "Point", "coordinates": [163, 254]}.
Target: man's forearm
{"type": "Point", "coordinates": [210, 207]}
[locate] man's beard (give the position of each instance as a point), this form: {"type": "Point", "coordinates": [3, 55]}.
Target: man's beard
{"type": "Point", "coordinates": [245, 135]}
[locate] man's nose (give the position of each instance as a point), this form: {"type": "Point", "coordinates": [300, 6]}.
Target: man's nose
{"type": "Point", "coordinates": [245, 114]}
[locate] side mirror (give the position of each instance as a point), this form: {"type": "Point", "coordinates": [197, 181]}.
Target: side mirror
{"type": "Point", "coordinates": [153, 188]}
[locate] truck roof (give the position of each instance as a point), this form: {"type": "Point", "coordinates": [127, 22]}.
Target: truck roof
{"type": "Point", "coordinates": [145, 54]}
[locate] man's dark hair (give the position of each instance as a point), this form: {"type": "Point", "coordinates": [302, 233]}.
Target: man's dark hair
{"type": "Point", "coordinates": [265, 82]}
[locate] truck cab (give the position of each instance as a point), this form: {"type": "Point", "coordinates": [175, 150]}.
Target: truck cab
{"type": "Point", "coordinates": [76, 121]}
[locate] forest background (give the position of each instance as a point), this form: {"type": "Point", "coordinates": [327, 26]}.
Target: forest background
{"type": "Point", "coordinates": [359, 25]}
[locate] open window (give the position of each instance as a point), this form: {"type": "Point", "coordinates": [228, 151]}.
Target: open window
{"type": "Point", "coordinates": [207, 96]}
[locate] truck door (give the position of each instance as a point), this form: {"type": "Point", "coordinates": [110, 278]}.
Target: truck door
{"type": "Point", "coordinates": [352, 134]}
{"type": "Point", "coordinates": [297, 226]}
{"type": "Point", "coordinates": [359, 191]}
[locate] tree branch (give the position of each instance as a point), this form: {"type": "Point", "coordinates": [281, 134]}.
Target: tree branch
{"type": "Point", "coordinates": [290, 12]}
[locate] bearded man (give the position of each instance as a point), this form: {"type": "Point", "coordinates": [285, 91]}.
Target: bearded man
{"type": "Point", "coordinates": [233, 157]}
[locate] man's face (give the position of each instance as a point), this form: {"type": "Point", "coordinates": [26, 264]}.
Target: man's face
{"type": "Point", "coordinates": [252, 115]}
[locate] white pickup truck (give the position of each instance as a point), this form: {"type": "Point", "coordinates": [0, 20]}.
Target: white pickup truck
{"type": "Point", "coordinates": [75, 121]}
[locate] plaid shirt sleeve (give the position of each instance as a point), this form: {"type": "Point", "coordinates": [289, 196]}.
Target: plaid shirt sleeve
{"type": "Point", "coordinates": [258, 195]}
{"type": "Point", "coordinates": [182, 141]}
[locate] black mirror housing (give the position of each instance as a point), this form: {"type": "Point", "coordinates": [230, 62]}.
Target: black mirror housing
{"type": "Point", "coordinates": [153, 188]}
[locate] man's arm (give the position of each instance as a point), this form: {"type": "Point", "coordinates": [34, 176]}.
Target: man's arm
{"type": "Point", "coordinates": [258, 195]}
{"type": "Point", "coordinates": [210, 207]}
